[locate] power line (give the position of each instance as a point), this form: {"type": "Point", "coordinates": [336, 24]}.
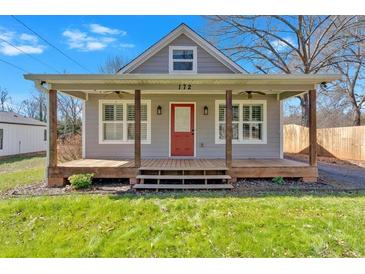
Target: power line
{"type": "Point", "coordinates": [31, 56]}
{"type": "Point", "coordinates": [49, 43]}
{"type": "Point", "coordinates": [13, 65]}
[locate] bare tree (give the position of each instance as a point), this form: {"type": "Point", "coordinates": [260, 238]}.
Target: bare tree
{"type": "Point", "coordinates": [292, 115]}
{"type": "Point", "coordinates": [333, 110]}
{"type": "Point", "coordinates": [288, 44]}
{"type": "Point", "coordinates": [35, 106]}
{"type": "Point", "coordinates": [353, 84]}
{"type": "Point", "coordinates": [112, 64]}
{"type": "Point", "coordinates": [4, 99]}
{"type": "Point", "coordinates": [70, 110]}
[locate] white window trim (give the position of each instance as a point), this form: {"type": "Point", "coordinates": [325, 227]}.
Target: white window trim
{"type": "Point", "coordinates": [241, 141]}
{"type": "Point", "coordinates": [171, 61]}
{"type": "Point", "coordinates": [124, 141]}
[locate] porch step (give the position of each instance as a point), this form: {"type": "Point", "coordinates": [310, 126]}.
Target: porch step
{"type": "Point", "coordinates": [180, 186]}
{"type": "Point", "coordinates": [184, 177]}
{"type": "Point", "coordinates": [183, 168]}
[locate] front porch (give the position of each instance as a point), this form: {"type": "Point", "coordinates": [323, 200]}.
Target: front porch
{"type": "Point", "coordinates": [185, 173]}
{"type": "Point", "coordinates": [152, 133]}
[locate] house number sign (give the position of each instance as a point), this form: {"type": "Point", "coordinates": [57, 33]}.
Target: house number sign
{"type": "Point", "coordinates": [184, 86]}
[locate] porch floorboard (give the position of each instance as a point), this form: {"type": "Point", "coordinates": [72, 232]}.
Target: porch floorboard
{"type": "Point", "coordinates": [241, 168]}
{"type": "Point", "coordinates": [186, 164]}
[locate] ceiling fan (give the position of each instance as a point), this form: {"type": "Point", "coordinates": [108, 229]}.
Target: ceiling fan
{"type": "Point", "coordinates": [119, 93]}
{"type": "Point", "coordinates": [249, 93]}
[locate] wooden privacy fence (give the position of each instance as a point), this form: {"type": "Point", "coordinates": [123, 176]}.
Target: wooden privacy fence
{"type": "Point", "coordinates": [346, 143]}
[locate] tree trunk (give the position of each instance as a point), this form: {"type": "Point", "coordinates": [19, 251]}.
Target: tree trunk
{"type": "Point", "coordinates": [40, 110]}
{"type": "Point", "coordinates": [304, 107]}
{"type": "Point", "coordinates": [356, 120]}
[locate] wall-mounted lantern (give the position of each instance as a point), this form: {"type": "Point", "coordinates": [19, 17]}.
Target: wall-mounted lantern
{"type": "Point", "coordinates": [205, 112]}
{"type": "Point", "coordinates": [159, 110]}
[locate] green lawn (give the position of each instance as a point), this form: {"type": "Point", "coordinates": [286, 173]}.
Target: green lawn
{"type": "Point", "coordinates": [167, 225]}
{"type": "Point", "coordinates": [174, 225]}
{"type": "Point", "coordinates": [17, 171]}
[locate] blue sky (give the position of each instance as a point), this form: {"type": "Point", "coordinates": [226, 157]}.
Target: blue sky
{"type": "Point", "coordinates": [87, 39]}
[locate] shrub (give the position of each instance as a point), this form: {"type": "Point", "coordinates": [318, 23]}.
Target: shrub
{"type": "Point", "coordinates": [79, 181]}
{"type": "Point", "coordinates": [278, 180]}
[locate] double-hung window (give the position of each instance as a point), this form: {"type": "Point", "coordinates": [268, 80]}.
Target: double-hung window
{"type": "Point", "coordinates": [130, 121]}
{"type": "Point", "coordinates": [182, 59]}
{"type": "Point", "coordinates": [248, 122]}
{"type": "Point", "coordinates": [116, 121]}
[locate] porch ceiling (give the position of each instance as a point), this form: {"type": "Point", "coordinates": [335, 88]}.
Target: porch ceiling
{"type": "Point", "coordinates": [80, 84]}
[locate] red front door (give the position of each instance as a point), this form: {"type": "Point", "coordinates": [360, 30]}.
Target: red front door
{"type": "Point", "coordinates": [182, 129]}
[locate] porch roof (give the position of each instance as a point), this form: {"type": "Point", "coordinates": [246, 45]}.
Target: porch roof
{"type": "Point", "coordinates": [80, 84]}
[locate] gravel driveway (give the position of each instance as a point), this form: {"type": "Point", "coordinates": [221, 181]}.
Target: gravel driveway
{"type": "Point", "coordinates": [341, 174]}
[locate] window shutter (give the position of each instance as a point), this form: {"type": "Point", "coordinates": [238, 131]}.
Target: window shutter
{"type": "Point", "coordinates": [257, 113]}
{"type": "Point", "coordinates": [246, 113]}
{"type": "Point", "coordinates": [119, 112]}
{"type": "Point", "coordinates": [248, 122]}
{"type": "Point", "coordinates": [144, 112]}
{"type": "Point", "coordinates": [130, 112]}
{"type": "Point", "coordinates": [108, 112]}
{"type": "Point", "coordinates": [222, 113]}
{"type": "Point", "coordinates": [235, 113]}
{"type": "Point", "coordinates": [118, 121]}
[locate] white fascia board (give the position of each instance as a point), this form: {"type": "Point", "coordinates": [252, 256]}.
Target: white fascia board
{"type": "Point", "coordinates": [110, 78]}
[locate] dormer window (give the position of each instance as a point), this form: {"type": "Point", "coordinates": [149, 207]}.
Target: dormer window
{"type": "Point", "coordinates": [182, 59]}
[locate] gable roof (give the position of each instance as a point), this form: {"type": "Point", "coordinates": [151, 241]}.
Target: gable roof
{"type": "Point", "coordinates": [15, 118]}
{"type": "Point", "coordinates": [182, 29]}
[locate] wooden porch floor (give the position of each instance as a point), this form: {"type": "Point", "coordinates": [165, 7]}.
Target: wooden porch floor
{"type": "Point", "coordinates": [243, 168]}
{"type": "Point", "coordinates": [184, 164]}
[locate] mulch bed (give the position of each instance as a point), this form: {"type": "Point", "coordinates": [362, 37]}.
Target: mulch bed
{"type": "Point", "coordinates": [288, 185]}
{"type": "Point", "coordinates": [41, 189]}
{"type": "Point", "coordinates": [242, 187]}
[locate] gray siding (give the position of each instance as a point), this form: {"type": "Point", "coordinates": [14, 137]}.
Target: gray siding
{"type": "Point", "coordinates": [159, 63]}
{"type": "Point", "coordinates": [205, 128]}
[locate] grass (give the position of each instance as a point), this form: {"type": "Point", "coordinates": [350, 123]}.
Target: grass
{"type": "Point", "coordinates": [168, 225]}
{"type": "Point", "coordinates": [18, 171]}
{"type": "Point", "coordinates": [174, 225]}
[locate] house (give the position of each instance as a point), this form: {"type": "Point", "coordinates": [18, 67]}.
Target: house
{"type": "Point", "coordinates": [181, 115]}
{"type": "Point", "coordinates": [20, 135]}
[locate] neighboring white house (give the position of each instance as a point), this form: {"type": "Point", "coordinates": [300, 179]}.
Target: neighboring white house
{"type": "Point", "coordinates": [21, 135]}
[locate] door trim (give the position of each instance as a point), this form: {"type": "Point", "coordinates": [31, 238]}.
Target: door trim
{"type": "Point", "coordinates": [195, 129]}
